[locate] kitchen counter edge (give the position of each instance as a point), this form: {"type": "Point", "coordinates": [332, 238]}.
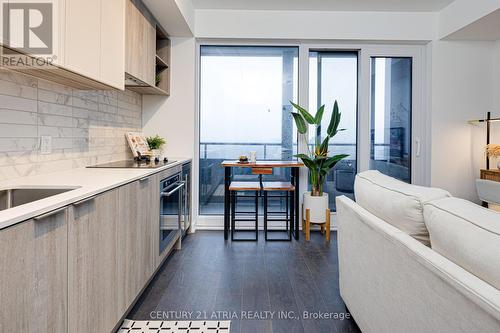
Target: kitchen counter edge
{"type": "Point", "coordinates": [37, 208]}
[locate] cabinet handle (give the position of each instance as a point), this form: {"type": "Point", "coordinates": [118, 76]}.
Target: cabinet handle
{"type": "Point", "coordinates": [144, 179]}
{"type": "Point", "coordinates": [54, 212]}
{"type": "Point", "coordinates": [167, 194]}
{"type": "Point", "coordinates": [78, 203]}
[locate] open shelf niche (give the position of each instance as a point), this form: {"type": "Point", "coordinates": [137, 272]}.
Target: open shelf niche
{"type": "Point", "coordinates": [162, 78]}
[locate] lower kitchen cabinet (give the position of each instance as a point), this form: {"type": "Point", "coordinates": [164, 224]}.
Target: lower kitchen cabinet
{"type": "Point", "coordinates": [92, 264]}
{"type": "Point", "coordinates": [110, 254]}
{"type": "Point", "coordinates": [131, 240]}
{"type": "Point", "coordinates": [137, 221]}
{"type": "Point", "coordinates": [80, 268]}
{"type": "Point", "coordinates": [154, 219]}
{"type": "Point", "coordinates": [33, 275]}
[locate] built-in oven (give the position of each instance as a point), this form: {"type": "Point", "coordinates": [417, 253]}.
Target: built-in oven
{"type": "Point", "coordinates": [171, 209]}
{"type": "Point", "coordinates": [186, 213]}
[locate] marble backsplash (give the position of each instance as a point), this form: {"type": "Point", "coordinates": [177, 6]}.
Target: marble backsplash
{"type": "Point", "coordinates": [86, 127]}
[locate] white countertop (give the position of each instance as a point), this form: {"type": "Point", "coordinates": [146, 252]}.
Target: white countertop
{"type": "Point", "coordinates": [90, 181]}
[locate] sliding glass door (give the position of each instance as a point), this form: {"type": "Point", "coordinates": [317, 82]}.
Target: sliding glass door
{"type": "Point", "coordinates": [244, 107]}
{"type": "Point", "coordinates": [333, 76]}
{"type": "Point", "coordinates": [244, 94]}
{"type": "Point", "coordinates": [391, 116]}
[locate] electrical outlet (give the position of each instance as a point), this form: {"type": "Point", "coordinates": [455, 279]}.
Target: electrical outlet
{"type": "Point", "coordinates": [45, 144]}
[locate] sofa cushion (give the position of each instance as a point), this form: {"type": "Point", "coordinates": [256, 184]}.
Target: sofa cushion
{"type": "Point", "coordinates": [396, 202]}
{"type": "Point", "coordinates": [467, 234]}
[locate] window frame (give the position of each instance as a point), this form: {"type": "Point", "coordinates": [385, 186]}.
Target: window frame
{"type": "Point", "coordinates": [410, 148]}
{"type": "Point", "coordinates": [358, 80]}
{"type": "Point", "coordinates": [421, 121]}
{"type": "Point", "coordinates": [199, 154]}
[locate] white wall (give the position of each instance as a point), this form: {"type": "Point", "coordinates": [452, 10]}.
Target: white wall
{"type": "Point", "coordinates": [461, 13]}
{"type": "Point", "coordinates": [187, 10]}
{"type": "Point", "coordinates": [461, 90]}
{"type": "Point", "coordinates": [174, 117]}
{"type": "Point", "coordinates": [464, 78]}
{"type": "Point", "coordinates": [392, 26]}
{"type": "Point", "coordinates": [175, 16]}
{"type": "Point", "coordinates": [496, 78]}
{"type": "Point", "coordinates": [495, 109]}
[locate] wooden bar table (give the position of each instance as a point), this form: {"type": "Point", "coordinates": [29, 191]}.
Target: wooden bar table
{"type": "Point", "coordinates": [262, 167]}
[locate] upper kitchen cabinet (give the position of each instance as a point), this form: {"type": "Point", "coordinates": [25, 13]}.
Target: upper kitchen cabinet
{"type": "Point", "coordinates": [86, 38]}
{"type": "Point", "coordinates": [140, 45]}
{"type": "Point", "coordinates": [147, 55]}
{"type": "Point", "coordinates": [95, 40]}
{"type": "Point", "coordinates": [113, 43]}
{"type": "Point", "coordinates": [83, 42]}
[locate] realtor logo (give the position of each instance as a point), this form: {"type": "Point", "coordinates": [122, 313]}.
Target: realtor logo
{"type": "Point", "coordinates": [27, 27]}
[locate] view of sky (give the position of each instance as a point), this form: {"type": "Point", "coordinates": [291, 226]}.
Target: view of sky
{"type": "Point", "coordinates": [241, 98]}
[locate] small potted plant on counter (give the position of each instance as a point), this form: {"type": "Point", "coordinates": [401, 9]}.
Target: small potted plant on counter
{"type": "Point", "coordinates": [155, 144]}
{"type": "Point", "coordinates": [318, 162]}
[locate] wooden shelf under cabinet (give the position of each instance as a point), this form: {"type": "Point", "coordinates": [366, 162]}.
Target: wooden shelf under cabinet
{"type": "Point", "coordinates": [160, 63]}
{"type": "Point", "coordinates": [148, 90]}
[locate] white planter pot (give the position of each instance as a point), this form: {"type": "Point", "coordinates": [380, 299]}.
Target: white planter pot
{"type": "Point", "coordinates": [317, 207]}
{"type": "Point", "coordinates": [157, 152]}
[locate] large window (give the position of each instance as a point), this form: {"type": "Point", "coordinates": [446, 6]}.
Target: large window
{"type": "Point", "coordinates": [244, 106]}
{"type": "Point", "coordinates": [333, 76]}
{"type": "Point", "coordinates": [390, 136]}
{"type": "Point", "coordinates": [244, 94]}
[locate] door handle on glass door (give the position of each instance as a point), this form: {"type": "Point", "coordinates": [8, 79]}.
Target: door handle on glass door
{"type": "Point", "coordinates": [417, 147]}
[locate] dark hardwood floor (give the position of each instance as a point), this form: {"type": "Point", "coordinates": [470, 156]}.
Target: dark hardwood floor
{"type": "Point", "coordinates": [216, 280]}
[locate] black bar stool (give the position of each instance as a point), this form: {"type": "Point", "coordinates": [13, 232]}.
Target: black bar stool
{"type": "Point", "coordinates": [289, 190]}
{"type": "Point", "coordinates": [241, 187]}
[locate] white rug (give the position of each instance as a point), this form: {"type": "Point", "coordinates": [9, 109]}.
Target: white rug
{"type": "Point", "coordinates": [158, 326]}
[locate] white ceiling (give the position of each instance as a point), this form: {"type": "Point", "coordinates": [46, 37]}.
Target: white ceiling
{"type": "Point", "coordinates": [327, 5]}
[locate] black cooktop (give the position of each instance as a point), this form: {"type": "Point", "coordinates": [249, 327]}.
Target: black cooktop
{"type": "Point", "coordinates": [134, 164]}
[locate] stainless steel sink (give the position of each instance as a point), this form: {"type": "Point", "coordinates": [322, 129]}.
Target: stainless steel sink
{"type": "Point", "coordinates": [12, 197]}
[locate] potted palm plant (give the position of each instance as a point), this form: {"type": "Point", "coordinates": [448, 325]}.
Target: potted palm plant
{"type": "Point", "coordinates": [318, 162]}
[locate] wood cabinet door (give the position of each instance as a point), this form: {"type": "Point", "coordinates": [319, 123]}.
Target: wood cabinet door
{"type": "Point", "coordinates": [147, 213]}
{"type": "Point", "coordinates": [154, 220]}
{"type": "Point", "coordinates": [92, 266]}
{"type": "Point", "coordinates": [82, 43]}
{"type": "Point", "coordinates": [112, 67]}
{"type": "Point", "coordinates": [33, 275]}
{"type": "Point", "coordinates": [150, 54]}
{"type": "Point", "coordinates": [140, 45]}
{"type": "Point", "coordinates": [135, 257]}
{"type": "Point", "coordinates": [128, 239]}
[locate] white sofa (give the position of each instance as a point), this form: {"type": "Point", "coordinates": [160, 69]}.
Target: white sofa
{"type": "Point", "coordinates": [392, 282]}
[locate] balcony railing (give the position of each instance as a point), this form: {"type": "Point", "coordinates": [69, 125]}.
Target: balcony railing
{"type": "Point", "coordinates": [339, 182]}
{"type": "Point", "coordinates": [265, 151]}
{"type": "Point", "coordinates": [212, 174]}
